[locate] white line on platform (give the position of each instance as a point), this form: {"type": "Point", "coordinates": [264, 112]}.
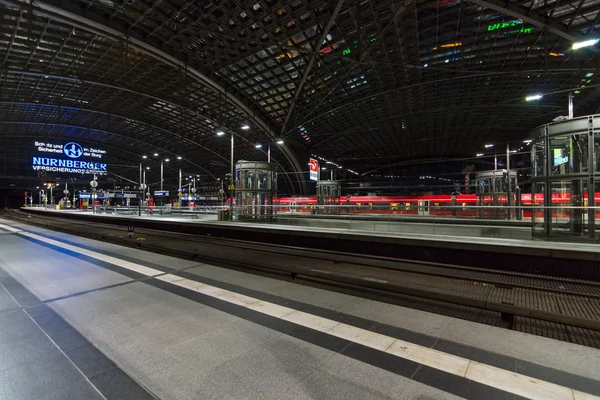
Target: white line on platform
{"type": "Point", "coordinates": [93, 254]}
{"type": "Point", "coordinates": [10, 228]}
{"type": "Point", "coordinates": [508, 381]}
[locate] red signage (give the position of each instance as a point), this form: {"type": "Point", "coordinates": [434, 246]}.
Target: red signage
{"type": "Point", "coordinates": [314, 169]}
{"type": "Point", "coordinates": [25, 194]}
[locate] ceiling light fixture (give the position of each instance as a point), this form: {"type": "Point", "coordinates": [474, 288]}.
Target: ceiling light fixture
{"type": "Point", "coordinates": [585, 43]}
{"type": "Point", "coordinates": [534, 97]}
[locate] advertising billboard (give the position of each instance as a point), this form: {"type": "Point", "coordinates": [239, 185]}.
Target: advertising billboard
{"type": "Point", "coordinates": [70, 157]}
{"type": "Point", "coordinates": [314, 169]}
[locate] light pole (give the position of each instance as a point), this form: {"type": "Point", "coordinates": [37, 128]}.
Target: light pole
{"type": "Point", "coordinates": [179, 190]}
{"type": "Point", "coordinates": [258, 146]}
{"type": "Point", "coordinates": [231, 185]}
{"type": "Point", "coordinates": [141, 192]}
{"type": "Point", "coordinates": [66, 193]}
{"type": "Point", "coordinates": [94, 185]}
{"type": "Point", "coordinates": [162, 177]}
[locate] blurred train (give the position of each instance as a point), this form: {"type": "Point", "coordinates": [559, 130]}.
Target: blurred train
{"type": "Point", "coordinates": [435, 205]}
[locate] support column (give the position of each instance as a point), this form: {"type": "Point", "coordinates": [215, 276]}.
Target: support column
{"type": "Point", "coordinates": [576, 187]}
{"type": "Point", "coordinates": [141, 193]}
{"type": "Point", "coordinates": [547, 187]}
{"type": "Point", "coordinates": [508, 182]}
{"type": "Point", "coordinates": [232, 187]}
{"type": "Point", "coordinates": [591, 188]}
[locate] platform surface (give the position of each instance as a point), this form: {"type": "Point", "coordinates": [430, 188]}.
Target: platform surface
{"type": "Point", "coordinates": [82, 319]}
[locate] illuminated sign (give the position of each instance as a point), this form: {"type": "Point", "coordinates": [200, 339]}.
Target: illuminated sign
{"type": "Point", "coordinates": [71, 150]}
{"type": "Point", "coordinates": [515, 23]}
{"type": "Point", "coordinates": [522, 30]}
{"type": "Point", "coordinates": [314, 169]}
{"type": "Point", "coordinates": [71, 159]}
{"type": "Point", "coordinates": [448, 45]}
{"type": "Point", "coordinates": [503, 25]}
{"type": "Point", "coordinates": [58, 165]}
{"type": "Point", "coordinates": [559, 159]}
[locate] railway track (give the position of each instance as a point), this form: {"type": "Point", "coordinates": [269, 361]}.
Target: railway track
{"type": "Point", "coordinates": [514, 297]}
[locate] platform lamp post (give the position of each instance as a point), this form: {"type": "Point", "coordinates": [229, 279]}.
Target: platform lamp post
{"type": "Point", "coordinates": [259, 146]}
{"type": "Point", "coordinates": [145, 186]}
{"type": "Point", "coordinates": [66, 193]}
{"type": "Point", "coordinates": [141, 190]}
{"type": "Point", "coordinates": [94, 185]}
{"type": "Point", "coordinates": [231, 184]}
{"type": "Point", "coordinates": [179, 193]}
{"type": "Point", "coordinates": [51, 186]}
{"type": "Point", "coordinates": [162, 177]}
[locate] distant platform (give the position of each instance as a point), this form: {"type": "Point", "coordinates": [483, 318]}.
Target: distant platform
{"type": "Point", "coordinates": [576, 260]}
{"type": "Point", "coordinates": [445, 226]}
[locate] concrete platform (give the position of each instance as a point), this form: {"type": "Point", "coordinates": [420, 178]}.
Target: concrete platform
{"type": "Point", "coordinates": [122, 323]}
{"type": "Point", "coordinates": [575, 260]}
{"type": "Point", "coordinates": [439, 226]}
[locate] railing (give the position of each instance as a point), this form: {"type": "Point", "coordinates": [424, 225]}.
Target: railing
{"type": "Point", "coordinates": [562, 222]}
{"type": "Point", "coordinates": [156, 211]}
{"type": "Point", "coordinates": [47, 206]}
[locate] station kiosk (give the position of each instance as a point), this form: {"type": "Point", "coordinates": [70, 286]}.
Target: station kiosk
{"type": "Point", "coordinates": [565, 161]}
{"type": "Point", "coordinates": [328, 196]}
{"type": "Point", "coordinates": [255, 190]}
{"type": "Point", "coordinates": [497, 194]}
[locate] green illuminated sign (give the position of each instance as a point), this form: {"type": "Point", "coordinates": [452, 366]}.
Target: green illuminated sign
{"type": "Point", "coordinates": [504, 25]}
{"type": "Point", "coordinates": [347, 51]}
{"type": "Point", "coordinates": [522, 30]}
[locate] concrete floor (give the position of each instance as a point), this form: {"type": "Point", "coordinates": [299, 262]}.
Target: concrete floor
{"type": "Point", "coordinates": [87, 319]}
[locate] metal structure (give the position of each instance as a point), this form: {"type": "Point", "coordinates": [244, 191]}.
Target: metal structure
{"type": "Point", "coordinates": [328, 194]}
{"type": "Point", "coordinates": [495, 192]}
{"type": "Point", "coordinates": [565, 158]}
{"type": "Point", "coordinates": [255, 189]}
{"type": "Point", "coordinates": [367, 85]}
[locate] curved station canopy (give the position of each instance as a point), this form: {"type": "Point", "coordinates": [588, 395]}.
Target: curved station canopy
{"type": "Point", "coordinates": [364, 85]}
